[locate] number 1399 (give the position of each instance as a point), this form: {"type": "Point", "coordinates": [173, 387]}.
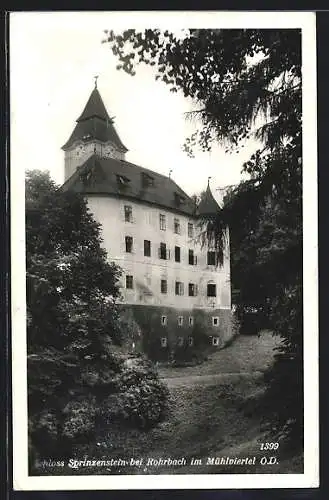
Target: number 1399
{"type": "Point", "coordinates": [269, 446]}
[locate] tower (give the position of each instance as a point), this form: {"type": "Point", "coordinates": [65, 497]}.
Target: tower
{"type": "Point", "coordinates": [170, 281]}
{"type": "Point", "coordinates": [93, 133]}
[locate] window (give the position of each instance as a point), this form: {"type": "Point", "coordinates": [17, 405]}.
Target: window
{"type": "Point", "coordinates": [192, 260]}
{"type": "Point", "coordinates": [163, 341]}
{"type": "Point", "coordinates": [215, 321]}
{"type": "Point", "coordinates": [192, 290]}
{"type": "Point", "coordinates": [162, 220]}
{"type": "Point", "coordinates": [147, 248]}
{"type": "Point", "coordinates": [190, 341]}
{"type": "Point", "coordinates": [164, 286]}
{"type": "Point", "coordinates": [176, 226]}
{"type": "Point", "coordinates": [180, 320]}
{"type": "Point", "coordinates": [215, 341]}
{"type": "Point", "coordinates": [191, 321]}
{"type": "Point", "coordinates": [122, 181]}
{"type": "Point", "coordinates": [163, 320]}
{"type": "Point", "coordinates": [129, 282]}
{"type": "Point", "coordinates": [163, 252]}
{"type": "Point", "coordinates": [180, 341]}
{"type": "Point", "coordinates": [147, 180]}
{"type": "Point", "coordinates": [211, 290]}
{"type": "Point", "coordinates": [179, 288]}
{"type": "Point", "coordinates": [128, 213]}
{"type": "Point", "coordinates": [211, 259]}
{"type": "Point", "coordinates": [190, 230]}
{"type": "Point", "coordinates": [177, 254]}
{"type": "Point", "coordinates": [179, 199]}
{"type": "Point", "coordinates": [129, 244]}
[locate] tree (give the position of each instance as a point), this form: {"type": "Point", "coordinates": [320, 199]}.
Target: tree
{"type": "Point", "coordinates": [76, 378]}
{"type": "Point", "coordinates": [247, 83]}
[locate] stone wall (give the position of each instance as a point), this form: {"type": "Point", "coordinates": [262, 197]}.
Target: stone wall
{"type": "Point", "coordinates": [187, 338]}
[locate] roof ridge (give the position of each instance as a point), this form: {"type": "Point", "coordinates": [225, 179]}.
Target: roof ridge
{"type": "Point", "coordinates": [157, 173]}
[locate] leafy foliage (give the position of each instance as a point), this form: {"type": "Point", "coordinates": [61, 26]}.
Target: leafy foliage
{"type": "Point", "coordinates": [247, 83]}
{"type": "Point", "coordinates": [73, 325]}
{"type": "Point", "coordinates": [140, 398]}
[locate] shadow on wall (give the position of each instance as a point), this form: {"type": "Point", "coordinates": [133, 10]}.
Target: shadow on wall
{"type": "Point", "coordinates": [166, 334]}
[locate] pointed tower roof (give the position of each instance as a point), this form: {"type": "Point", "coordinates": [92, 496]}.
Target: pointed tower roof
{"type": "Point", "coordinates": [95, 123]}
{"type": "Point", "coordinates": [94, 107]}
{"type": "Point", "coordinates": [208, 205]}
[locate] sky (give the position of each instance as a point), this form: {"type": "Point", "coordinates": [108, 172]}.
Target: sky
{"type": "Point", "coordinates": [54, 57]}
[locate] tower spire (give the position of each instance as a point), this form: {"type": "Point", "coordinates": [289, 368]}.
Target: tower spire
{"type": "Point", "coordinates": [96, 77]}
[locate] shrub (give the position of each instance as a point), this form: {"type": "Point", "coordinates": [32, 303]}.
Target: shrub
{"type": "Point", "coordinates": [141, 398]}
{"type": "Point", "coordinates": [130, 396]}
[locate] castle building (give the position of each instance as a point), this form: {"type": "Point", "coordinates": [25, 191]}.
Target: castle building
{"type": "Point", "coordinates": [150, 227]}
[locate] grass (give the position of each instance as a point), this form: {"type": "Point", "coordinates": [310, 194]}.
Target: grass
{"type": "Point", "coordinates": [246, 354]}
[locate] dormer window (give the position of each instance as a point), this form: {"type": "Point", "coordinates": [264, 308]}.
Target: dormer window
{"type": "Point", "coordinates": [122, 181]}
{"type": "Point", "coordinates": [179, 199]}
{"type": "Point", "coordinates": [86, 137]}
{"type": "Point", "coordinates": [147, 180]}
{"type": "Point", "coordinates": [85, 177]}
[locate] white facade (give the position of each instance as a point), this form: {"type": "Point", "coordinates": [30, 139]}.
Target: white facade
{"type": "Point", "coordinates": [148, 271]}
{"type": "Point", "coordinates": [144, 238]}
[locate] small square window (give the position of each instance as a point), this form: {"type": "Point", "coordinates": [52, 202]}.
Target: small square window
{"type": "Point", "coordinates": [215, 321]}
{"type": "Point", "coordinates": [176, 226]}
{"type": "Point", "coordinates": [162, 220]}
{"type": "Point", "coordinates": [180, 320]}
{"type": "Point", "coordinates": [129, 244]}
{"type": "Point", "coordinates": [180, 341]}
{"type": "Point", "coordinates": [164, 286]}
{"type": "Point", "coordinates": [191, 321]}
{"type": "Point", "coordinates": [163, 341]}
{"type": "Point", "coordinates": [147, 248]}
{"type": "Point", "coordinates": [128, 213]}
{"type": "Point", "coordinates": [190, 230]}
{"type": "Point", "coordinates": [215, 341]}
{"type": "Point", "coordinates": [163, 320]}
{"type": "Point", "coordinates": [190, 341]}
{"type": "Point", "coordinates": [129, 282]}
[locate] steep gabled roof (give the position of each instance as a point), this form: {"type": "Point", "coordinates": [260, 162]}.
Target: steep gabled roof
{"type": "Point", "coordinates": [109, 176]}
{"type": "Point", "coordinates": [208, 205]}
{"type": "Point", "coordinates": [95, 123]}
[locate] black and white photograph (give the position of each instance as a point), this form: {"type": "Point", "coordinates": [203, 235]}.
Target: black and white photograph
{"type": "Point", "coordinates": [164, 250]}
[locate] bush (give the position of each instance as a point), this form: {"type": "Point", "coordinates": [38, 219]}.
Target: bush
{"type": "Point", "coordinates": [132, 396]}
{"type": "Point", "coordinates": [141, 398]}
